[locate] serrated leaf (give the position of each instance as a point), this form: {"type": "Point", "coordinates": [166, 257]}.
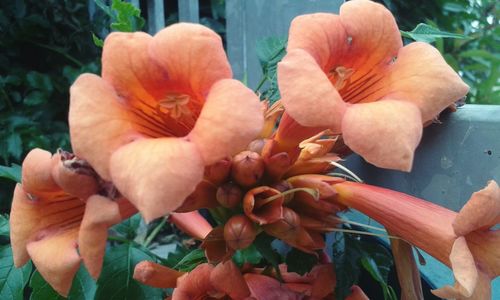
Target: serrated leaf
{"type": "Point", "coordinates": [12, 279]}
{"type": "Point", "coordinates": [191, 260]}
{"type": "Point", "coordinates": [83, 287]}
{"type": "Point", "coordinates": [270, 50]}
{"type": "Point", "coordinates": [300, 262]}
{"type": "Point", "coordinates": [13, 172]}
{"type": "Point", "coordinates": [128, 17]}
{"type": "Point", "coordinates": [427, 33]}
{"type": "Point", "coordinates": [175, 256]}
{"type": "Point", "coordinates": [116, 282]}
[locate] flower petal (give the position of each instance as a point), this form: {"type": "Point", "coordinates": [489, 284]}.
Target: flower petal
{"type": "Point", "coordinates": [374, 36]}
{"type": "Point", "coordinates": [192, 55]}
{"type": "Point", "coordinates": [37, 173]}
{"type": "Point", "coordinates": [385, 133]}
{"type": "Point", "coordinates": [227, 278]}
{"type": "Point", "coordinates": [100, 214]}
{"type": "Point", "coordinates": [55, 257]}
{"type": "Point", "coordinates": [231, 118]}
{"type": "Point", "coordinates": [481, 212]}
{"type": "Point", "coordinates": [307, 94]}
{"type": "Point", "coordinates": [195, 284]}
{"type": "Point", "coordinates": [127, 66]}
{"type": "Point", "coordinates": [28, 217]}
{"type": "Point", "coordinates": [156, 175]}
{"type": "Point", "coordinates": [357, 294]}
{"type": "Point", "coordinates": [322, 35]}
{"type": "Point", "coordinates": [422, 76]}
{"type": "Point", "coordinates": [192, 223]}
{"type": "Point", "coordinates": [98, 123]}
{"type": "Point", "coordinates": [464, 266]}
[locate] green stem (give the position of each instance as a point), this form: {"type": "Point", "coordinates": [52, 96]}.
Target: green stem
{"type": "Point", "coordinates": [154, 233]}
{"type": "Point", "coordinates": [261, 82]}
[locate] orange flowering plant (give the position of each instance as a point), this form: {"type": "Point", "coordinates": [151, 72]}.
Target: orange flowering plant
{"type": "Point", "coordinates": [167, 133]}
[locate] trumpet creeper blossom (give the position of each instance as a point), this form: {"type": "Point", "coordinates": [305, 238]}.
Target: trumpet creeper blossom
{"type": "Point", "coordinates": [464, 241]}
{"type": "Point", "coordinates": [351, 73]}
{"type": "Point", "coordinates": [55, 228]}
{"type": "Point", "coordinates": [164, 109]}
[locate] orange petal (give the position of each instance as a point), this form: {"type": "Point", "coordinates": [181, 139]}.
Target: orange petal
{"type": "Point", "coordinates": [98, 123]}
{"type": "Point", "coordinates": [100, 214]}
{"type": "Point", "coordinates": [194, 285]}
{"type": "Point", "coordinates": [481, 212]}
{"type": "Point", "coordinates": [192, 55]}
{"type": "Point", "coordinates": [55, 257]}
{"type": "Point", "coordinates": [464, 267]}
{"type": "Point", "coordinates": [156, 275]}
{"type": "Point", "coordinates": [322, 35]}
{"type": "Point", "coordinates": [260, 210]}
{"type": "Point", "coordinates": [214, 244]}
{"type": "Point", "coordinates": [227, 278]}
{"type": "Point", "coordinates": [421, 75]}
{"type": "Point", "coordinates": [37, 172]}
{"type": "Point", "coordinates": [482, 290]}
{"type": "Point", "coordinates": [231, 118]}
{"type": "Point", "coordinates": [192, 223]}
{"type": "Point", "coordinates": [307, 93]}
{"type": "Point", "coordinates": [385, 133]}
{"type": "Point", "coordinates": [126, 64]}
{"type": "Point", "coordinates": [29, 216]}
{"type": "Point", "coordinates": [202, 197]}
{"type": "Point", "coordinates": [267, 288]}
{"type": "Point", "coordinates": [156, 175]}
{"type": "Point", "coordinates": [374, 35]}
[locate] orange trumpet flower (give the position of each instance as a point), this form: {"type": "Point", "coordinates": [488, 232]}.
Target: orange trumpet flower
{"type": "Point", "coordinates": [48, 223]}
{"type": "Point", "coordinates": [164, 109]}
{"type": "Point", "coordinates": [351, 73]}
{"type": "Point", "coordinates": [463, 241]}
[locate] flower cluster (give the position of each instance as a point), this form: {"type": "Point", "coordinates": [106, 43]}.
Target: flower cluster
{"type": "Point", "coordinates": [165, 130]}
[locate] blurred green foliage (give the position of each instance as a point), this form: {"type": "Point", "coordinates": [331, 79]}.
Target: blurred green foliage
{"type": "Point", "coordinates": [477, 59]}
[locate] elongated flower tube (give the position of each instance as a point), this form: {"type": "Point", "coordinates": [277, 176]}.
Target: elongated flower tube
{"type": "Point", "coordinates": [350, 73]}
{"type": "Point", "coordinates": [55, 228]}
{"type": "Point", "coordinates": [164, 109]}
{"type": "Point", "coordinates": [462, 241]}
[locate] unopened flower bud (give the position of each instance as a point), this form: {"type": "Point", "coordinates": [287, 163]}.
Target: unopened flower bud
{"type": "Point", "coordinates": [229, 195]}
{"type": "Point", "coordinates": [247, 168]}
{"type": "Point", "coordinates": [239, 232]}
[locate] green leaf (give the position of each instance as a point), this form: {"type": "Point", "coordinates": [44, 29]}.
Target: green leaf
{"type": "Point", "coordinates": [12, 279]}
{"type": "Point", "coordinates": [35, 98]}
{"type": "Point", "coordinates": [191, 260]}
{"type": "Point", "coordinates": [116, 282]}
{"type": "Point", "coordinates": [428, 34]}
{"type": "Point", "coordinates": [247, 255]}
{"type": "Point", "coordinates": [97, 41]}
{"type": "Point", "coordinates": [83, 287]}
{"type": "Point", "coordinates": [14, 145]}
{"type": "Point", "coordinates": [263, 244]}
{"type": "Point", "coordinates": [270, 52]}
{"type": "Point", "coordinates": [39, 81]}
{"type": "Point", "coordinates": [346, 264]}
{"type": "Point", "coordinates": [300, 262]}
{"type": "Point", "coordinates": [4, 225]}
{"type": "Point", "coordinates": [128, 228]}
{"type": "Point", "coordinates": [176, 256]}
{"type": "Point", "coordinates": [128, 17]}
{"type": "Point", "coordinates": [13, 172]}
